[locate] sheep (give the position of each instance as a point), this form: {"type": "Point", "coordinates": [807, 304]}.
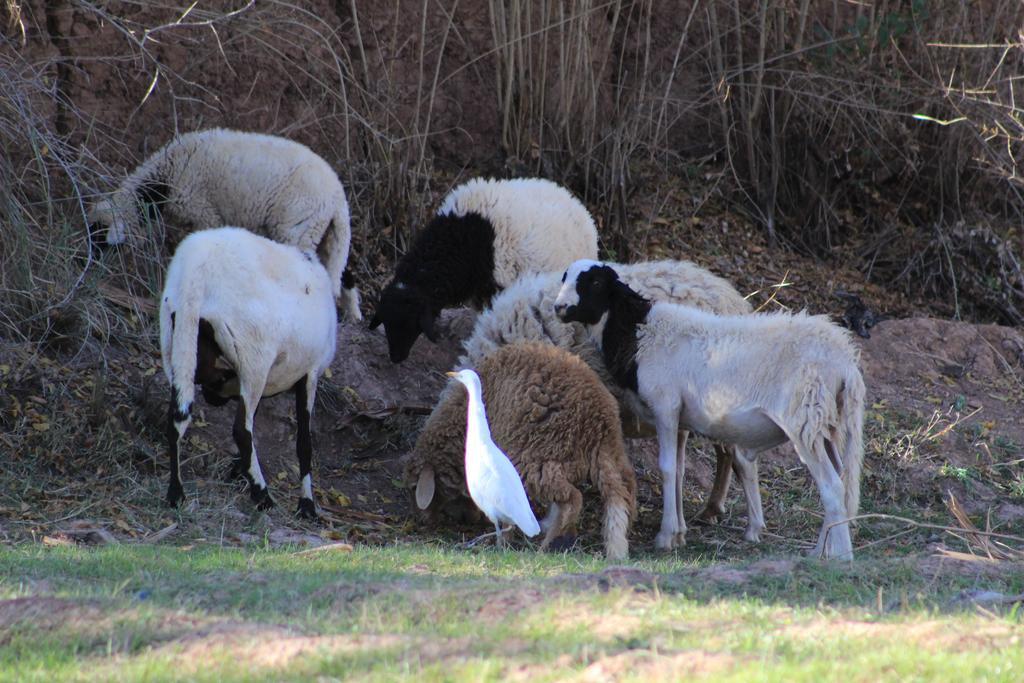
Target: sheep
{"type": "Point", "coordinates": [754, 381]}
{"type": "Point", "coordinates": [271, 185]}
{"type": "Point", "coordinates": [245, 317]}
{"type": "Point", "coordinates": [559, 426]}
{"type": "Point", "coordinates": [525, 312]}
{"type": "Point", "coordinates": [485, 234]}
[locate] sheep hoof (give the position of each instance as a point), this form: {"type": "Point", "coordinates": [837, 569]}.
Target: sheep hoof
{"type": "Point", "coordinates": [665, 540]}
{"type": "Point", "coordinates": [262, 499]}
{"type": "Point", "coordinates": [237, 471]}
{"type": "Point", "coordinates": [563, 543]}
{"type": "Point", "coordinates": [711, 514]}
{"type": "Point", "coordinates": [175, 495]}
{"type": "Point", "coordinates": [617, 551]}
{"type": "Point", "coordinates": [307, 509]}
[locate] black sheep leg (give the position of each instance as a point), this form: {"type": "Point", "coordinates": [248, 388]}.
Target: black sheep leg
{"type": "Point", "coordinates": [178, 419]}
{"type": "Point", "coordinates": [248, 461]}
{"type": "Point", "coordinates": [305, 393]}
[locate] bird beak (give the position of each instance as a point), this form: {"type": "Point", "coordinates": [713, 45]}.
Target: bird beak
{"type": "Point", "coordinates": [451, 374]}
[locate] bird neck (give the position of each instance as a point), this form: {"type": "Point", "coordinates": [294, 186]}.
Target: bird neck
{"type": "Point", "coordinates": [476, 419]}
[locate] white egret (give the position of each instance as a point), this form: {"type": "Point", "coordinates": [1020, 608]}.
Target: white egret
{"type": "Point", "coordinates": [494, 485]}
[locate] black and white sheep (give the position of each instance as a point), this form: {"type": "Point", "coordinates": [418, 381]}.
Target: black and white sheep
{"type": "Point", "coordinates": [559, 426]}
{"type": "Point", "coordinates": [486, 234]}
{"type": "Point", "coordinates": [244, 317]}
{"type": "Point", "coordinates": [270, 185]}
{"type": "Point", "coordinates": [753, 381]}
{"type": "Point", "coordinates": [525, 312]}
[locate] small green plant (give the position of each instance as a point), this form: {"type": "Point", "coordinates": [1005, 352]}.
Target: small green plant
{"type": "Point", "coordinates": [1017, 487]}
{"type": "Point", "coordinates": [961, 474]}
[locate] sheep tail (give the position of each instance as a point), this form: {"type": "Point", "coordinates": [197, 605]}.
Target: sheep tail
{"type": "Point", "coordinates": [616, 483]}
{"type": "Point", "coordinates": [179, 332]}
{"type": "Point", "coordinates": [851, 441]}
{"type": "Point", "coordinates": [333, 253]}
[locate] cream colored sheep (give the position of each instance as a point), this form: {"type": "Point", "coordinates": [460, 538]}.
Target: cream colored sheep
{"type": "Point", "coordinates": [270, 185]}
{"type": "Point", "coordinates": [753, 381]}
{"type": "Point", "coordinates": [245, 317]}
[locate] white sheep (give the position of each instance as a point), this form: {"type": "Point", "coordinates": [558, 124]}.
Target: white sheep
{"type": "Point", "coordinates": [270, 185]}
{"type": "Point", "coordinates": [525, 312]}
{"type": "Point", "coordinates": [245, 317]}
{"type": "Point", "coordinates": [486, 234]}
{"type": "Point", "coordinates": [559, 426]}
{"type": "Point", "coordinates": [753, 381]}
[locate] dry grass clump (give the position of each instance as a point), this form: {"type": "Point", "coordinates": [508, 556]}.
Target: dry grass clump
{"type": "Point", "coordinates": [886, 132]}
{"type": "Point", "coordinates": [583, 91]}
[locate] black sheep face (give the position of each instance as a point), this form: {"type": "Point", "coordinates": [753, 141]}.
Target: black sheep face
{"type": "Point", "coordinates": [590, 298]}
{"type": "Point", "coordinates": [405, 314]}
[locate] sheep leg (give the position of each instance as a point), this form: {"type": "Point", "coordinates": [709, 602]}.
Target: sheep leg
{"type": "Point", "coordinates": [239, 466]}
{"type": "Point", "coordinates": [305, 395]}
{"type": "Point", "coordinates": [569, 501]}
{"type": "Point", "coordinates": [680, 468]}
{"type": "Point", "coordinates": [746, 463]}
{"type": "Point", "coordinates": [834, 539]}
{"type": "Point", "coordinates": [670, 533]}
{"type": "Point", "coordinates": [178, 420]}
{"type": "Point", "coordinates": [616, 481]}
{"type": "Point", "coordinates": [724, 466]}
{"type": "Point", "coordinates": [550, 519]}
{"type": "Point", "coordinates": [242, 431]}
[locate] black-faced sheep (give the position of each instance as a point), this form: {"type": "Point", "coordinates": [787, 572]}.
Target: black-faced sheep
{"type": "Point", "coordinates": [245, 317]}
{"type": "Point", "coordinates": [270, 185]}
{"type": "Point", "coordinates": [558, 425]}
{"type": "Point", "coordinates": [754, 381]}
{"type": "Point", "coordinates": [525, 312]}
{"type": "Point", "coordinates": [486, 234]}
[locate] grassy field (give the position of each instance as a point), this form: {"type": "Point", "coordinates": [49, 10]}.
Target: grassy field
{"type": "Point", "coordinates": [414, 611]}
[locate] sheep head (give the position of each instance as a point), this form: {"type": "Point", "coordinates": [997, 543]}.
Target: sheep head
{"type": "Point", "coordinates": [113, 220]}
{"type": "Point", "coordinates": [586, 292]}
{"type": "Point", "coordinates": [439, 492]}
{"type": "Point", "coordinates": [405, 312]}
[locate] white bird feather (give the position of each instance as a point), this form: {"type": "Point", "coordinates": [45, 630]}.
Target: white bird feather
{"type": "Point", "coordinates": [492, 479]}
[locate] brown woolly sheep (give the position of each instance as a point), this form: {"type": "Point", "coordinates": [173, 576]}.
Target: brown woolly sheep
{"type": "Point", "coordinates": [559, 426]}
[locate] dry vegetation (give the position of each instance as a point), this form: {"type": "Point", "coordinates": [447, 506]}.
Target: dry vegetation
{"type": "Point", "coordinates": [876, 140]}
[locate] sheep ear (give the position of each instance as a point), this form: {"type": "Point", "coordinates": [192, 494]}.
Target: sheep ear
{"type": "Point", "coordinates": [427, 325]}
{"type": "Point", "coordinates": [425, 487]}
{"type": "Point", "coordinates": [374, 322]}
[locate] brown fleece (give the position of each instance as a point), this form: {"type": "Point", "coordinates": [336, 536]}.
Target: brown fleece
{"type": "Point", "coordinates": [555, 420]}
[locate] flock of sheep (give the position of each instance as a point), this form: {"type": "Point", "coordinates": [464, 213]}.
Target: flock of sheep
{"type": "Point", "coordinates": [573, 354]}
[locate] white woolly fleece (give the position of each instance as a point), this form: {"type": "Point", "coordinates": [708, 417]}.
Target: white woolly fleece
{"type": "Point", "coordinates": [716, 366]}
{"type": "Point", "coordinates": [525, 310]}
{"type": "Point", "coordinates": [271, 185]}
{"type": "Point", "coordinates": [270, 306]}
{"type": "Point", "coordinates": [539, 225]}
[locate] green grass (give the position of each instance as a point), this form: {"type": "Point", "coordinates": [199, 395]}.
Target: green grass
{"type": "Point", "coordinates": [426, 612]}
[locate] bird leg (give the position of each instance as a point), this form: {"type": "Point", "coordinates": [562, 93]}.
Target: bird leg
{"type": "Point", "coordinates": [497, 533]}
